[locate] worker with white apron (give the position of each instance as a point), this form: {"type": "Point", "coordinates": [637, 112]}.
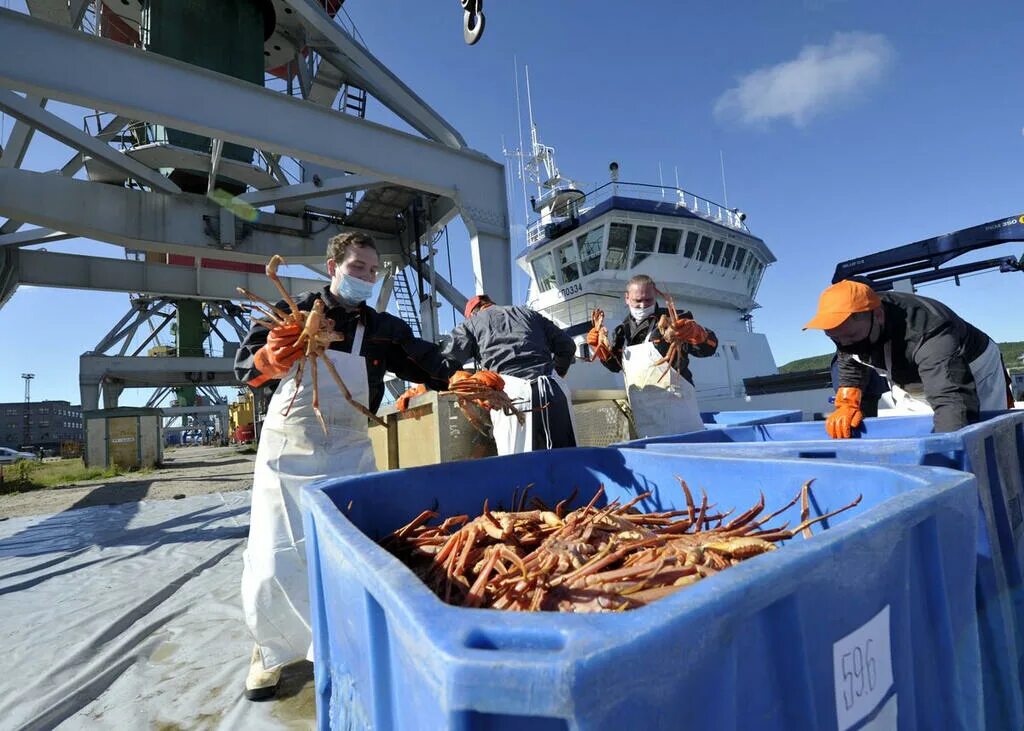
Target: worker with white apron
{"type": "Point", "coordinates": [661, 396]}
{"type": "Point", "coordinates": [543, 402]}
{"type": "Point", "coordinates": [531, 354]}
{"type": "Point", "coordinates": [990, 381]}
{"type": "Point", "coordinates": [294, 450]}
{"type": "Point", "coordinates": [662, 401]}
{"type": "Point", "coordinates": [934, 361]}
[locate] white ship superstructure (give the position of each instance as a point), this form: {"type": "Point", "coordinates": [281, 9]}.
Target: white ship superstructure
{"type": "Point", "coordinates": [584, 247]}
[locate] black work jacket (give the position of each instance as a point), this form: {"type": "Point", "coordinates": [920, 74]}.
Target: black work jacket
{"type": "Point", "coordinates": [514, 341]}
{"type": "Point", "coordinates": [630, 332]}
{"type": "Point", "coordinates": [388, 345]}
{"type": "Point", "coordinates": [930, 345]}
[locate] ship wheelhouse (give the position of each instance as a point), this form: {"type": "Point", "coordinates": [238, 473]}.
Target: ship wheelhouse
{"type": "Point", "coordinates": [695, 250]}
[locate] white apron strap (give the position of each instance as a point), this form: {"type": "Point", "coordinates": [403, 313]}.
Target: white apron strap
{"type": "Point", "coordinates": [357, 340]}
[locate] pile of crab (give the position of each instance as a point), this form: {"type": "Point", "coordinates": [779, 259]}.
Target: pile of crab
{"type": "Point", "coordinates": [592, 559]}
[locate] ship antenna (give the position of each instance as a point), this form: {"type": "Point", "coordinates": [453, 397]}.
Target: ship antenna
{"type": "Point", "coordinates": [519, 123]}
{"type": "Point", "coordinates": [529, 106]}
{"type": "Point", "coordinates": [725, 192]}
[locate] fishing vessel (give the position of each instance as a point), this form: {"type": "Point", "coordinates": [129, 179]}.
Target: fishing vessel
{"type": "Point", "coordinates": [583, 246]}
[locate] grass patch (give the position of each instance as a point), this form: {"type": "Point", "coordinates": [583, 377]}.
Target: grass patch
{"type": "Point", "coordinates": [25, 475]}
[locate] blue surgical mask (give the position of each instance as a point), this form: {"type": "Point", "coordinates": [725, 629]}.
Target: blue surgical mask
{"type": "Point", "coordinates": [352, 290]}
{"type": "Point", "coordinates": [639, 313]}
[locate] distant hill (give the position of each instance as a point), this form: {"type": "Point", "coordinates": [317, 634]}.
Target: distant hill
{"type": "Point", "coordinates": [1011, 354]}
{"type": "Point", "coordinates": [814, 363]}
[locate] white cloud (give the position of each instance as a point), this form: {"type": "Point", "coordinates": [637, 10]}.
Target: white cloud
{"type": "Point", "coordinates": [819, 78]}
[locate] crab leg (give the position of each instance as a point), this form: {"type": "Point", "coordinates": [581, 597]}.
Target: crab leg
{"type": "Point", "coordinates": [277, 311]}
{"type": "Point", "coordinates": [316, 394]}
{"type": "Point", "coordinates": [348, 394]}
{"type": "Point", "coordinates": [275, 261]}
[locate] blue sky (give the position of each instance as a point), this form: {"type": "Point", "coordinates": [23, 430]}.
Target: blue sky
{"type": "Point", "coordinates": [846, 127]}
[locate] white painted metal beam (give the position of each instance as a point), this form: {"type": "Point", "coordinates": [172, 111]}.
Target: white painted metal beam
{"type": "Point", "coordinates": [172, 411]}
{"type": "Point", "coordinates": [75, 271]}
{"type": "Point", "coordinates": [361, 68]}
{"type": "Point", "coordinates": [306, 191]}
{"type": "Point", "coordinates": [67, 133]}
{"type": "Point", "coordinates": [53, 62]}
{"type": "Point", "coordinates": [115, 373]}
{"type": "Point", "coordinates": [72, 166]}
{"type": "Point", "coordinates": [21, 135]}
{"type": "Point", "coordinates": [181, 224]}
{"type": "Point", "coordinates": [33, 236]}
{"type": "Point", "coordinates": [76, 68]}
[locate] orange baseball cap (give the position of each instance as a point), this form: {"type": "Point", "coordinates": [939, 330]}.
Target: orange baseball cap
{"type": "Point", "coordinates": [840, 301]}
{"type": "Point", "coordinates": [473, 303]}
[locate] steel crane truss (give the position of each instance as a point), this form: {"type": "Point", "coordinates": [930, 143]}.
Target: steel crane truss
{"type": "Point", "coordinates": [45, 61]}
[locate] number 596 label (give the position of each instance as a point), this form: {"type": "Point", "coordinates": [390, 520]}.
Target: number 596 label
{"type": "Point", "coordinates": [862, 663]}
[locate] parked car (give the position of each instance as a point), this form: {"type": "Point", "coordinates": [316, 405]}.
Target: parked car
{"type": "Point", "coordinates": [10, 456]}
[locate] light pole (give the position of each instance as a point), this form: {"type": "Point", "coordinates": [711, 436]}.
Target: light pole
{"type": "Point", "coordinates": [27, 440]}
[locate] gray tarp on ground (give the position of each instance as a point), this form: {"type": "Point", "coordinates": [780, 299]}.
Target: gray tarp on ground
{"type": "Point", "coordinates": [129, 617]}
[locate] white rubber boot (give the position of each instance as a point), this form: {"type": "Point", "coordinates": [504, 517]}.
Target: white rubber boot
{"type": "Point", "coordinates": [260, 684]}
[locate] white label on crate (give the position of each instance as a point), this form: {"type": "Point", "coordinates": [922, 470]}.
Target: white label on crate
{"type": "Point", "coordinates": [862, 663]}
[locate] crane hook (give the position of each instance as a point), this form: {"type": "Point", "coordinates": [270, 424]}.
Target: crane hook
{"type": "Point", "coordinates": [474, 20]}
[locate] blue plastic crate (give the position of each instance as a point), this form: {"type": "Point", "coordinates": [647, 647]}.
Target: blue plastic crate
{"type": "Point", "coordinates": [768, 644]}
{"type": "Point", "coordinates": [993, 450]}
{"type": "Point", "coordinates": [716, 419]}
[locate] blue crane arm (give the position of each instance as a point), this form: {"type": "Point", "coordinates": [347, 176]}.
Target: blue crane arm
{"type": "Point", "coordinates": [923, 260]}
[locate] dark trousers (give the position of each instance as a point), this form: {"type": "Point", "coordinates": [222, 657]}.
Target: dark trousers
{"type": "Point", "coordinates": [554, 415]}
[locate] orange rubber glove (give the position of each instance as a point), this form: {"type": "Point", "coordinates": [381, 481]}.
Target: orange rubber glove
{"type": "Point", "coordinates": [281, 351]}
{"type": "Point", "coordinates": [847, 416]}
{"type": "Point", "coordinates": [594, 341]}
{"type": "Point", "coordinates": [402, 403]}
{"type": "Point", "coordinates": [690, 332]}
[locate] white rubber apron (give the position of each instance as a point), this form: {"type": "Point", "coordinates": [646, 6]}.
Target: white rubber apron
{"type": "Point", "coordinates": [512, 438]}
{"type": "Point", "coordinates": [989, 380]}
{"type": "Point", "coordinates": [661, 404]}
{"type": "Point", "coordinates": [294, 451]}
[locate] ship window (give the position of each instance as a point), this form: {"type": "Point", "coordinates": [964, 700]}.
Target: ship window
{"type": "Point", "coordinates": [544, 272]}
{"type": "Point", "coordinates": [740, 254]}
{"type": "Point", "coordinates": [568, 262]}
{"type": "Point", "coordinates": [643, 246]}
{"type": "Point", "coordinates": [702, 250]}
{"type": "Point", "coordinates": [590, 250]}
{"type": "Point", "coordinates": [755, 273]}
{"type": "Point", "coordinates": [716, 251]}
{"type": "Point", "coordinates": [669, 242]}
{"type": "Point", "coordinates": [730, 249]}
{"type": "Point", "coordinates": [691, 244]}
{"type": "Point", "coordinates": [618, 244]}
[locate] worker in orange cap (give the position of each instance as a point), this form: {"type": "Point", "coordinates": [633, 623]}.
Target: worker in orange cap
{"type": "Point", "coordinates": [531, 354]}
{"type": "Point", "coordinates": [934, 360]}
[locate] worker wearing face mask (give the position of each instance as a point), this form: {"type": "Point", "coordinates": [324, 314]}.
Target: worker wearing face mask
{"type": "Point", "coordinates": [295, 450]}
{"type": "Point", "coordinates": [934, 361]}
{"type": "Point", "coordinates": [661, 395]}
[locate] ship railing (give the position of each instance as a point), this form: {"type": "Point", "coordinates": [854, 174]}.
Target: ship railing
{"type": "Point", "coordinates": [683, 199]}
